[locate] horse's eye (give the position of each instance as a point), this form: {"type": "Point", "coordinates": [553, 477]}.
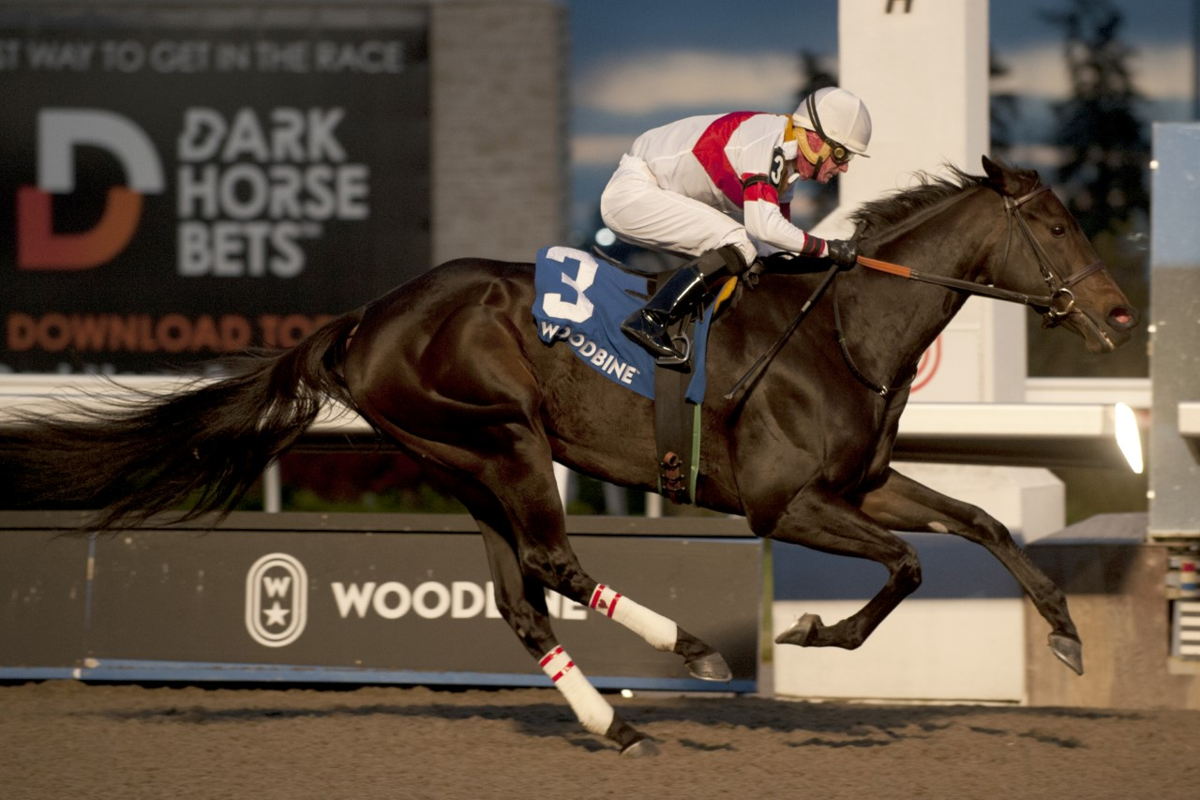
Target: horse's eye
{"type": "Point", "coordinates": [1058, 230]}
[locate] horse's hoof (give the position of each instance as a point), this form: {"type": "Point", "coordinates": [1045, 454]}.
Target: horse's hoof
{"type": "Point", "coordinates": [711, 667]}
{"type": "Point", "coordinates": [642, 748]}
{"type": "Point", "coordinates": [1069, 651]}
{"type": "Point", "coordinates": [802, 633]}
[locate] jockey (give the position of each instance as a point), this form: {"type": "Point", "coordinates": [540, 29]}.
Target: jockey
{"type": "Point", "coordinates": [717, 188]}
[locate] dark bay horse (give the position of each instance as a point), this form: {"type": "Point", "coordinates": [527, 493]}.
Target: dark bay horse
{"type": "Point", "coordinates": [449, 367]}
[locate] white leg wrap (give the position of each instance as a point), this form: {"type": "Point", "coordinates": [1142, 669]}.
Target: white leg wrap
{"type": "Point", "coordinates": [594, 712]}
{"type": "Point", "coordinates": [656, 629]}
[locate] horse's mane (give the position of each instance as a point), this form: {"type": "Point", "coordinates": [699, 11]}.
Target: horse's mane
{"type": "Point", "coordinates": [878, 215]}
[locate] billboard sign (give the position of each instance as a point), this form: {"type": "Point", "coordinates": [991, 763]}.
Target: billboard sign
{"type": "Point", "coordinates": [176, 194]}
{"type": "Point", "coordinates": [308, 597]}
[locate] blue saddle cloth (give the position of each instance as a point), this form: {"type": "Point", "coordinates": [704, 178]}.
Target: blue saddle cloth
{"type": "Point", "coordinates": [581, 302]}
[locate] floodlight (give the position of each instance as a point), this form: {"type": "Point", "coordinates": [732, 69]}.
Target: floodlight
{"type": "Point", "coordinates": [1129, 436]}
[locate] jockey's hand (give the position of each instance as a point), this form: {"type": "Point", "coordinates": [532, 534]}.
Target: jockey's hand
{"type": "Point", "coordinates": [843, 252]}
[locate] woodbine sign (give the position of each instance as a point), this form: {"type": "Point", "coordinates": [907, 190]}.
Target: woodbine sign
{"type": "Point", "coordinates": [354, 597]}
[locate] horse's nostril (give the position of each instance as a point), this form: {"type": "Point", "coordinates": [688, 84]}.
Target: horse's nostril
{"type": "Point", "coordinates": [1121, 318]}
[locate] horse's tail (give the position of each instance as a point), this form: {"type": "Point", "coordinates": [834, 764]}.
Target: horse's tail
{"type": "Point", "coordinates": [197, 450]}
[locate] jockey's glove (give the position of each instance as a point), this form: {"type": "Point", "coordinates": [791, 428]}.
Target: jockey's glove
{"type": "Point", "coordinates": [843, 252]}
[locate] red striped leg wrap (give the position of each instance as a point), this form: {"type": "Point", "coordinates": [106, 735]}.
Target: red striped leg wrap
{"type": "Point", "coordinates": [605, 599]}
{"type": "Point", "coordinates": [656, 629]}
{"type": "Point", "coordinates": [593, 711]}
{"type": "Point", "coordinates": [556, 663]}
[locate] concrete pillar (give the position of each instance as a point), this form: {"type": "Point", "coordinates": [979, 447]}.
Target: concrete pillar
{"type": "Point", "coordinates": [498, 128]}
{"type": "Point", "coordinates": [922, 69]}
{"type": "Point", "coordinates": [1175, 335]}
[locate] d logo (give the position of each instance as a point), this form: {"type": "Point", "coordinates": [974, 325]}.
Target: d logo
{"type": "Point", "coordinates": [60, 130]}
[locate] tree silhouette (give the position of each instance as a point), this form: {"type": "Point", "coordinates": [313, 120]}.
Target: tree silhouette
{"type": "Point", "coordinates": [814, 75]}
{"type": "Point", "coordinates": [1003, 111]}
{"type": "Point", "coordinates": [1102, 175]}
{"type": "Point", "coordinates": [1098, 126]}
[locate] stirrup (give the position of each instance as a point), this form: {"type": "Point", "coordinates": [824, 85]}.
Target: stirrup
{"type": "Point", "coordinates": [648, 335]}
{"type": "Point", "coordinates": [682, 355]}
{"type": "Point", "coordinates": [642, 330]}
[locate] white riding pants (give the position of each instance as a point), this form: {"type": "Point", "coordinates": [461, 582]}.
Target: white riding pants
{"type": "Point", "coordinates": [641, 212]}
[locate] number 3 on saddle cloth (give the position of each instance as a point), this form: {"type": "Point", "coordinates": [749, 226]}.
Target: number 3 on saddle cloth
{"type": "Point", "coordinates": [580, 303]}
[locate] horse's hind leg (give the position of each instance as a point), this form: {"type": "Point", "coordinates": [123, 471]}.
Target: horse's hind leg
{"type": "Point", "coordinates": [475, 422]}
{"type": "Point", "coordinates": [904, 504]}
{"type": "Point", "coordinates": [522, 525]}
{"type": "Point", "coordinates": [825, 522]}
{"type": "Point", "coordinates": [661, 633]}
{"type": "Point", "coordinates": [522, 604]}
{"type": "Point", "coordinates": [529, 497]}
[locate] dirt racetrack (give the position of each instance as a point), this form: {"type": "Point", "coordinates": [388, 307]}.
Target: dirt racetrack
{"type": "Point", "coordinates": [63, 739]}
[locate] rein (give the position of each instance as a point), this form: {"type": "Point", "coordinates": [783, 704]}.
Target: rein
{"type": "Point", "coordinates": [1052, 313]}
{"type": "Point", "coordinates": [1047, 304]}
{"type": "Point", "coordinates": [1060, 288]}
{"type": "Point", "coordinates": [844, 345]}
{"type": "Point", "coordinates": [983, 290]}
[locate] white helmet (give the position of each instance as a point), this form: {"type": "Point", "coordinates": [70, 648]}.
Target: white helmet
{"type": "Point", "coordinates": [838, 116]}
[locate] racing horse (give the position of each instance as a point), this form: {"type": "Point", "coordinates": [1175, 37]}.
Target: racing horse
{"type": "Point", "coordinates": [449, 368]}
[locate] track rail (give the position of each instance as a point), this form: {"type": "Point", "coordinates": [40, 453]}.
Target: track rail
{"type": "Point", "coordinates": [1018, 434]}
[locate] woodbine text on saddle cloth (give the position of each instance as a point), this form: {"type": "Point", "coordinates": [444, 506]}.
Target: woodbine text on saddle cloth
{"type": "Point", "coordinates": [581, 301]}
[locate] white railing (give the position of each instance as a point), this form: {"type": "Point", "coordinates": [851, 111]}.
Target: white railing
{"type": "Point", "coordinates": [1066, 421]}
{"type": "Point", "coordinates": [1135, 392]}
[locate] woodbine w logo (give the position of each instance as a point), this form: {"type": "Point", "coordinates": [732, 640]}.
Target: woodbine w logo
{"type": "Point", "coordinates": [276, 600]}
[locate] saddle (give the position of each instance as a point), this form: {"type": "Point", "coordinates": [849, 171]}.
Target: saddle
{"type": "Point", "coordinates": [580, 301]}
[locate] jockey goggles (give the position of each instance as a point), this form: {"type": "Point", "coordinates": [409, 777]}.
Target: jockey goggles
{"type": "Point", "coordinates": [833, 149]}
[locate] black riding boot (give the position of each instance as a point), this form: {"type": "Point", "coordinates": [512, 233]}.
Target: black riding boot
{"type": "Point", "coordinates": [685, 289]}
{"type": "Point", "coordinates": [648, 325]}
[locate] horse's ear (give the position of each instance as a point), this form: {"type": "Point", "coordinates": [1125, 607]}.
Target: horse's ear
{"type": "Point", "coordinates": [1003, 179]}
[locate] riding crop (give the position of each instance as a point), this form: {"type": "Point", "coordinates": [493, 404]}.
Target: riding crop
{"type": "Point", "coordinates": [766, 357]}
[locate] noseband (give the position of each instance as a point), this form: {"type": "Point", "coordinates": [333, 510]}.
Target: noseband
{"type": "Point", "coordinates": [1060, 303]}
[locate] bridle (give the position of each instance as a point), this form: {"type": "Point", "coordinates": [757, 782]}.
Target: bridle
{"type": "Point", "coordinates": [1054, 307]}
{"type": "Point", "coordinates": [1060, 288]}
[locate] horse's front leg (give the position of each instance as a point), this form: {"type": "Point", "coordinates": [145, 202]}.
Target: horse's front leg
{"type": "Point", "coordinates": [904, 504]}
{"type": "Point", "coordinates": [825, 522]}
